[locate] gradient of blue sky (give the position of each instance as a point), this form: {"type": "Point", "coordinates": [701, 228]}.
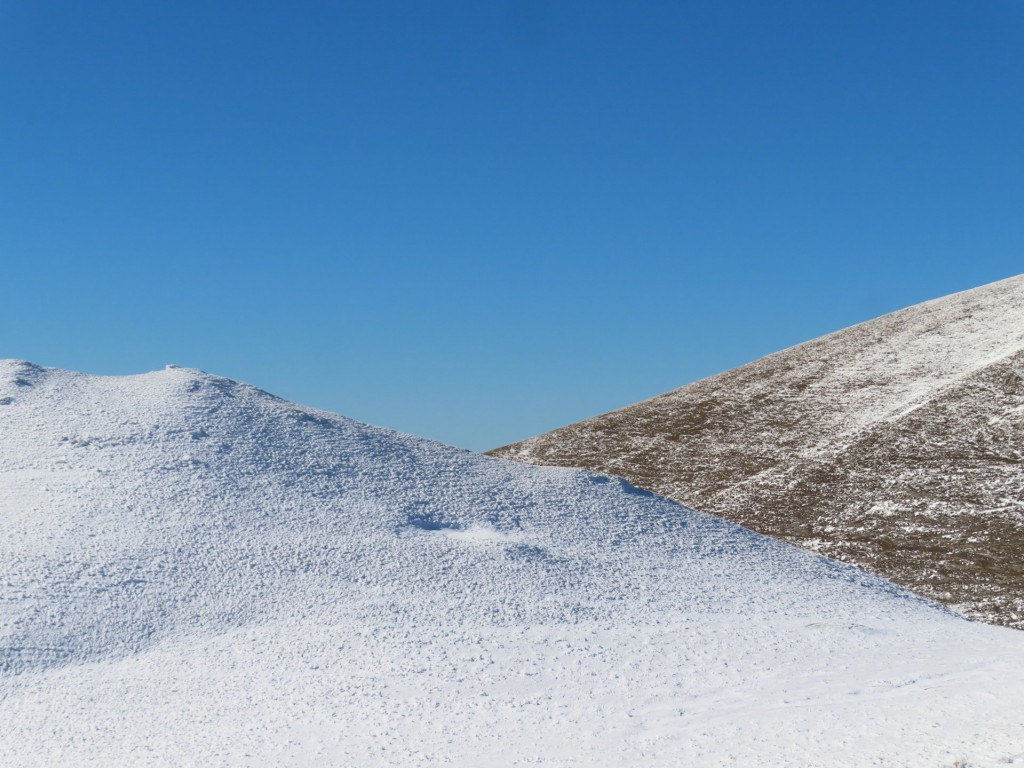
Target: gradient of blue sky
{"type": "Point", "coordinates": [479, 221]}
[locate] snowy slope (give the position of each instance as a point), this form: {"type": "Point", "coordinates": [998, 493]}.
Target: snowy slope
{"type": "Point", "coordinates": [896, 445]}
{"type": "Point", "coordinates": [194, 572]}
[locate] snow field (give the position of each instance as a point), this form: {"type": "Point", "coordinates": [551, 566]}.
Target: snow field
{"type": "Point", "coordinates": [194, 572]}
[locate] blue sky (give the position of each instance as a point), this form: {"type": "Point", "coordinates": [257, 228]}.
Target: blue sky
{"type": "Point", "coordinates": [480, 221]}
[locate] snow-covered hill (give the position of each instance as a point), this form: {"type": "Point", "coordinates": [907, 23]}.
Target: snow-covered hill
{"type": "Point", "coordinates": [896, 445]}
{"type": "Point", "coordinates": [194, 572]}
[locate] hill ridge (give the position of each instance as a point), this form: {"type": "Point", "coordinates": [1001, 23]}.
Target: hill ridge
{"type": "Point", "coordinates": [709, 443]}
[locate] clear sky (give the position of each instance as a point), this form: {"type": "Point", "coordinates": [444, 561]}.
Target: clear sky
{"type": "Point", "coordinates": [478, 221]}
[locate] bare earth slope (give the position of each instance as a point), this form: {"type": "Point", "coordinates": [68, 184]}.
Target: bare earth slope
{"type": "Point", "coordinates": [897, 445]}
{"type": "Point", "coordinates": [194, 572]}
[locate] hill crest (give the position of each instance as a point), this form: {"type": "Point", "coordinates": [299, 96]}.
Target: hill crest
{"type": "Point", "coordinates": [781, 445]}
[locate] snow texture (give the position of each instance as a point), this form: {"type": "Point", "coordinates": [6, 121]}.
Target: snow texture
{"type": "Point", "coordinates": [195, 572]}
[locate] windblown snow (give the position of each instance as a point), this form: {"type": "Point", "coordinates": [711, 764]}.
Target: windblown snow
{"type": "Point", "coordinates": [194, 572]}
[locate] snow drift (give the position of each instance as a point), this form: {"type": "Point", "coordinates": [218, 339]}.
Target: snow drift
{"type": "Point", "coordinates": [193, 571]}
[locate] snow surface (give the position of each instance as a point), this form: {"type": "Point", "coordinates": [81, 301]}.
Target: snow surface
{"type": "Point", "coordinates": [194, 572]}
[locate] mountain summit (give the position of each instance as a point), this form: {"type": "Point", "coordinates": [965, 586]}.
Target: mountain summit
{"type": "Point", "coordinates": [896, 445]}
{"type": "Point", "coordinates": [193, 571]}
